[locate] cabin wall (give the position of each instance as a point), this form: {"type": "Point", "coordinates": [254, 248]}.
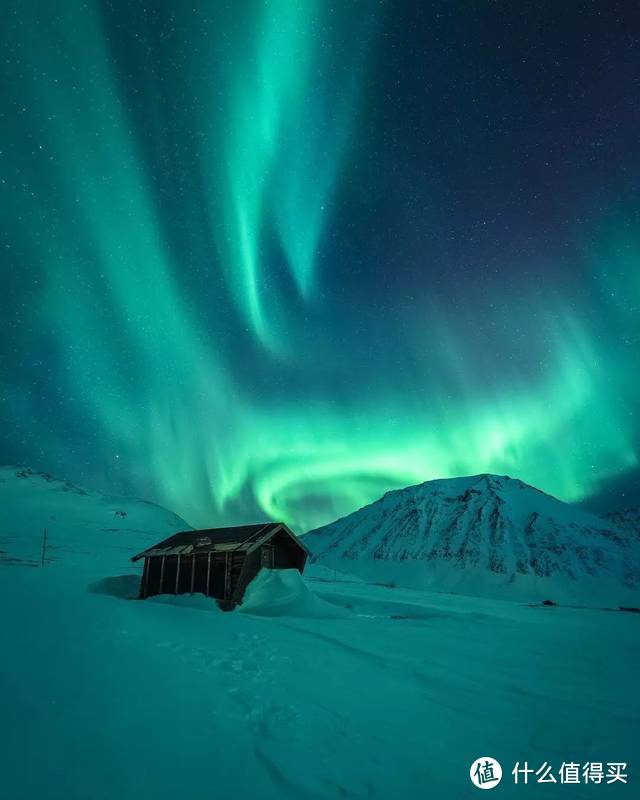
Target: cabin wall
{"type": "Point", "coordinates": [287, 554]}
{"type": "Point", "coordinates": [216, 582]}
{"type": "Point", "coordinates": [152, 577]}
{"type": "Point", "coordinates": [145, 576]}
{"type": "Point", "coordinates": [170, 574]}
{"type": "Point", "coordinates": [198, 573]}
{"type": "Point", "coordinates": [202, 576]}
{"type": "Point", "coordinates": [250, 569]}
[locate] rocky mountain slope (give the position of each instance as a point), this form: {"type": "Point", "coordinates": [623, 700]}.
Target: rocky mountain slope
{"type": "Point", "coordinates": [487, 535]}
{"type": "Point", "coordinates": [627, 518]}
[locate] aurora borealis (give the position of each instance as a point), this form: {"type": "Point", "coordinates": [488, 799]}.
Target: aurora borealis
{"type": "Point", "coordinates": [272, 259]}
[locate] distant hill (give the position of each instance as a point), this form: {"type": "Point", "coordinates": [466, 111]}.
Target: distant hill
{"type": "Point", "coordinates": [485, 535]}
{"type": "Point", "coordinates": [80, 523]}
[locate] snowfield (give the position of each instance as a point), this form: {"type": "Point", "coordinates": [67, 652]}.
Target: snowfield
{"type": "Point", "coordinates": [318, 689]}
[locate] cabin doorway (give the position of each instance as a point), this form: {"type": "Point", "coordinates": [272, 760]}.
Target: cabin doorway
{"type": "Point", "coordinates": [266, 556]}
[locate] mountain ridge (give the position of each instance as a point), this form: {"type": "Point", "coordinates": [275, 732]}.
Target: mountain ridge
{"type": "Point", "coordinates": [483, 534]}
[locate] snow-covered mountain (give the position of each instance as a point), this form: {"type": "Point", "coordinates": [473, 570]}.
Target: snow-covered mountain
{"type": "Point", "coordinates": [485, 535]}
{"type": "Point", "coordinates": [627, 518]}
{"type": "Point", "coordinates": [78, 522]}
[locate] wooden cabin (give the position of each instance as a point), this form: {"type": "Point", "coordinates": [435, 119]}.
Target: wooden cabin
{"type": "Point", "coordinates": [219, 562]}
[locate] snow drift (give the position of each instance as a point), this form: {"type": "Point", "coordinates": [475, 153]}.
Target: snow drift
{"type": "Point", "coordinates": [283, 592]}
{"type": "Point", "coordinates": [484, 535]}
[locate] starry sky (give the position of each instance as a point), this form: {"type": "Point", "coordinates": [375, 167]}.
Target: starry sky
{"type": "Point", "coordinates": [272, 259]}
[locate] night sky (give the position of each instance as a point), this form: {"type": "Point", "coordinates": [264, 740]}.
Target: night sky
{"type": "Point", "coordinates": [271, 259]}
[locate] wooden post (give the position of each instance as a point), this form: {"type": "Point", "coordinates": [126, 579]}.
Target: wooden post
{"type": "Point", "coordinates": [193, 571]}
{"type": "Point", "coordinates": [44, 547]}
{"type": "Point", "coordinates": [161, 574]}
{"type": "Point", "coordinates": [227, 575]}
{"type": "Point", "coordinates": [145, 578]}
{"type": "Point", "coordinates": [208, 573]}
{"type": "Point", "coordinates": [177, 575]}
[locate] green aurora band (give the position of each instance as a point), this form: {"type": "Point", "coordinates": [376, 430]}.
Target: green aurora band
{"type": "Point", "coordinates": [158, 369]}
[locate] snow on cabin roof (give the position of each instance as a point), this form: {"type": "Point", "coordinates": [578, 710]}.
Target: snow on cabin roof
{"type": "Point", "coordinates": [240, 537]}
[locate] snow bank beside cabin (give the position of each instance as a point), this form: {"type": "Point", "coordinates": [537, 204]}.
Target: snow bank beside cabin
{"type": "Point", "coordinates": [283, 593]}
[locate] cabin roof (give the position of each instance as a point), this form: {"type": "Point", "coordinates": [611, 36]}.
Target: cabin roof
{"type": "Point", "coordinates": [207, 540]}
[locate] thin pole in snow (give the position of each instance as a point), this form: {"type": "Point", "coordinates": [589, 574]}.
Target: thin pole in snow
{"type": "Point", "coordinates": [44, 547]}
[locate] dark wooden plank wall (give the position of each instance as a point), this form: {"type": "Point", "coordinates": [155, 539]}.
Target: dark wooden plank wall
{"type": "Point", "coordinates": [222, 575]}
{"type": "Point", "coordinates": [204, 572]}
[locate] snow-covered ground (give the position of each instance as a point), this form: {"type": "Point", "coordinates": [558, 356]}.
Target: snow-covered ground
{"type": "Point", "coordinates": [102, 696]}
